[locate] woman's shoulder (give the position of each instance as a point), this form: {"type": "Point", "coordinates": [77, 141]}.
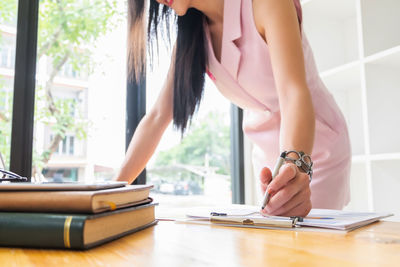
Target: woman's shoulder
{"type": "Point", "coordinates": [263, 9]}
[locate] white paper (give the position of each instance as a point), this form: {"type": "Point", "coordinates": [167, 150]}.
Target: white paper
{"type": "Point", "coordinates": [317, 218]}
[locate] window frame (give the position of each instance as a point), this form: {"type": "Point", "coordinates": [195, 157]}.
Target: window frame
{"type": "Point", "coordinates": [24, 103]}
{"type": "Point", "coordinates": [24, 88]}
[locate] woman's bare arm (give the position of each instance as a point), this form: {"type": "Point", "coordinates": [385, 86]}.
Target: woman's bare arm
{"type": "Point", "coordinates": [148, 133]}
{"type": "Point", "coordinates": [277, 22]}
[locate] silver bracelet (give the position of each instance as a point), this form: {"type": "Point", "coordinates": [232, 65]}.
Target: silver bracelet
{"type": "Point", "coordinates": [303, 161]}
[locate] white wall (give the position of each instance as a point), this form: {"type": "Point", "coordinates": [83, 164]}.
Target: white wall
{"type": "Point", "coordinates": [356, 45]}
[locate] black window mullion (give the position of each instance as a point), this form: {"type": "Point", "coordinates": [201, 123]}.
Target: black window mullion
{"type": "Point", "coordinates": [24, 88]}
{"type": "Point", "coordinates": [237, 155]}
{"type": "Point", "coordinates": [135, 111]}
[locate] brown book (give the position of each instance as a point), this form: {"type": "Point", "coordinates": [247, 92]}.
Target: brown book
{"type": "Point", "coordinates": [73, 231]}
{"type": "Point", "coordinates": [75, 201]}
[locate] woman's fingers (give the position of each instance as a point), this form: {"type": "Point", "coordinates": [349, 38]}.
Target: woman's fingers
{"type": "Point", "coordinates": [265, 178]}
{"type": "Point", "coordinates": [302, 197]}
{"type": "Point", "coordinates": [287, 193]}
{"type": "Point", "coordinates": [286, 173]}
{"type": "Point", "coordinates": [301, 210]}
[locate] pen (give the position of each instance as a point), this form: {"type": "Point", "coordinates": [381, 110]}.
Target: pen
{"type": "Point", "coordinates": [278, 165]}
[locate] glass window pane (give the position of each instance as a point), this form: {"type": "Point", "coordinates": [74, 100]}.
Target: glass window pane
{"type": "Point", "coordinates": [64, 146]}
{"type": "Point", "coordinates": [71, 145]}
{"type": "Point", "coordinates": [195, 170]}
{"type": "Point", "coordinates": [8, 26]}
{"type": "Point", "coordinates": [80, 91]}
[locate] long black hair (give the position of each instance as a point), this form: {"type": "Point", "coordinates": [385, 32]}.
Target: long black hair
{"type": "Point", "coordinates": [190, 56]}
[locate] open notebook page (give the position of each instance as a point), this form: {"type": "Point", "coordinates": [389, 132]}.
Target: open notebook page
{"type": "Point", "coordinates": [321, 218]}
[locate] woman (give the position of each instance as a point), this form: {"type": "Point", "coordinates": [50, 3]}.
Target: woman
{"type": "Point", "coordinates": [258, 56]}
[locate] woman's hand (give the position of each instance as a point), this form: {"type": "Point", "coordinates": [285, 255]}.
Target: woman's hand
{"type": "Point", "coordinates": [289, 191]}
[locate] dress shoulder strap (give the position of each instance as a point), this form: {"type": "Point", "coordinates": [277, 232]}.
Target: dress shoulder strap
{"type": "Point", "coordinates": [299, 11]}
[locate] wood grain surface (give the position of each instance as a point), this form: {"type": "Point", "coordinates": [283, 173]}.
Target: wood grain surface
{"type": "Point", "coordinates": [177, 244]}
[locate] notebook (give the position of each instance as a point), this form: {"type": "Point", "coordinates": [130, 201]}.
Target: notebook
{"type": "Point", "coordinates": [250, 216]}
{"type": "Point", "coordinates": [72, 231]}
{"type": "Point", "coordinates": [91, 201]}
{"type": "Point", "coordinates": [61, 186]}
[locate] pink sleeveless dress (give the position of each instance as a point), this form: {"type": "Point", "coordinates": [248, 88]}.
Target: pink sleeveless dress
{"type": "Point", "coordinates": [245, 76]}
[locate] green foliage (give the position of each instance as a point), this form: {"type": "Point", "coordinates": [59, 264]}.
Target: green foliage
{"type": "Point", "coordinates": [209, 136]}
{"type": "Point", "coordinates": [8, 10]}
{"type": "Point", "coordinates": [68, 30]}
{"type": "Point", "coordinates": [71, 27]}
{"type": "Point", "coordinates": [5, 121]}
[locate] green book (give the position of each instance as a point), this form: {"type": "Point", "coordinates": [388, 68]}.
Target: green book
{"type": "Point", "coordinates": [72, 231]}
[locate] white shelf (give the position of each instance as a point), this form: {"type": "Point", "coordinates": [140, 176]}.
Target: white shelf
{"type": "Point", "coordinates": [336, 22]}
{"type": "Point", "coordinates": [358, 159]}
{"type": "Point", "coordinates": [383, 54]}
{"type": "Point", "coordinates": [385, 157]}
{"type": "Point", "coordinates": [303, 2]}
{"type": "Point", "coordinates": [386, 184]}
{"type": "Point", "coordinates": [358, 187]}
{"type": "Point", "coordinates": [356, 45]}
{"type": "Point", "coordinates": [346, 89]}
{"type": "Point", "coordinates": [380, 20]}
{"type": "Point", "coordinates": [375, 157]}
{"type": "Point", "coordinates": [383, 96]}
{"type": "Point", "coordinates": [339, 69]}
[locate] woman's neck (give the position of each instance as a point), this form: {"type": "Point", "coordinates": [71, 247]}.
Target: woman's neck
{"type": "Point", "coordinates": [212, 9]}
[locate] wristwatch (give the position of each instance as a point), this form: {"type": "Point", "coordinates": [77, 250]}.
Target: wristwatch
{"type": "Point", "coordinates": [303, 161]}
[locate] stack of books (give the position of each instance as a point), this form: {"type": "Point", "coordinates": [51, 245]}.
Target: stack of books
{"type": "Point", "coordinates": [72, 217]}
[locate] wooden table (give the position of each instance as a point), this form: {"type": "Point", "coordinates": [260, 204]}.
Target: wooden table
{"type": "Point", "coordinates": [177, 244]}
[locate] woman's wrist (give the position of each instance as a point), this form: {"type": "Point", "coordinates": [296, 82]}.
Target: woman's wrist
{"type": "Point", "coordinates": [301, 160]}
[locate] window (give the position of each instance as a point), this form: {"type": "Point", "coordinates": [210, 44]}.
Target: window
{"type": "Point", "coordinates": [68, 71]}
{"type": "Point", "coordinates": [59, 175]}
{"type": "Point", "coordinates": [4, 56]}
{"type": "Point", "coordinates": [80, 99]}
{"type": "Point", "coordinates": [71, 145]}
{"type": "Point", "coordinates": [8, 16]}
{"type": "Point", "coordinates": [65, 147]}
{"type": "Point", "coordinates": [80, 90]}
{"type": "Point", "coordinates": [7, 53]}
{"type": "Point", "coordinates": [195, 170]}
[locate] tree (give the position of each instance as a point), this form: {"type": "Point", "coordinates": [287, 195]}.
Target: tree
{"type": "Point", "coordinates": [67, 31]}
{"type": "Point", "coordinates": [8, 10]}
{"type": "Point", "coordinates": [207, 138]}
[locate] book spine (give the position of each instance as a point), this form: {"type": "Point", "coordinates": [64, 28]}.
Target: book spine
{"type": "Point", "coordinates": [41, 230]}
